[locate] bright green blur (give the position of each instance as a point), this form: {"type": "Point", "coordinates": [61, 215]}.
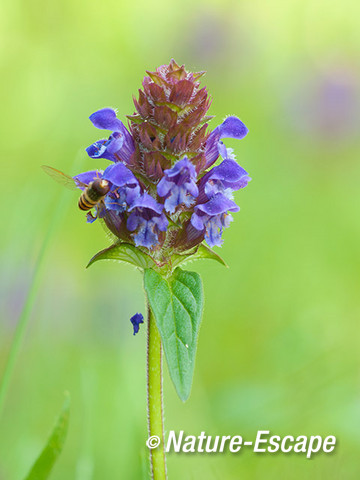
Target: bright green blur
{"type": "Point", "coordinates": [279, 342]}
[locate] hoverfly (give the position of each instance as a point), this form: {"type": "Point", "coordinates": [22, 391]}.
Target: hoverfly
{"type": "Point", "coordinates": [93, 193]}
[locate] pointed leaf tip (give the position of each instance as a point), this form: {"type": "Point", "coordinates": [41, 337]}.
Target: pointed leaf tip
{"type": "Point", "coordinates": [45, 462]}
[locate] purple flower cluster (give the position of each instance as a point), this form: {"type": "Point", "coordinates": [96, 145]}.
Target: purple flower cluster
{"type": "Point", "coordinates": [184, 195]}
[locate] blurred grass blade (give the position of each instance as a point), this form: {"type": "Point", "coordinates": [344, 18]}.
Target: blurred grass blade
{"type": "Point", "coordinates": [44, 464]}
{"type": "Point", "coordinates": [29, 301]}
{"type": "Point", "coordinates": [57, 214]}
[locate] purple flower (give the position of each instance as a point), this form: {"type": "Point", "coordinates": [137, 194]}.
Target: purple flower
{"type": "Point", "coordinates": [119, 146]}
{"type": "Point", "coordinates": [213, 217]}
{"type": "Point", "coordinates": [225, 178]}
{"type": "Point", "coordinates": [147, 219]}
{"type": "Point", "coordinates": [232, 127]}
{"type": "Point", "coordinates": [124, 190]}
{"type": "Point", "coordinates": [136, 320]}
{"type": "Point", "coordinates": [178, 185]}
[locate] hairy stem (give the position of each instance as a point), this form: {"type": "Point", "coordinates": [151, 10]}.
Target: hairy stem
{"type": "Point", "coordinates": [154, 397]}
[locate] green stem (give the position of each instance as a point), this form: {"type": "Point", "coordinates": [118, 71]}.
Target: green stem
{"type": "Point", "coordinates": [154, 397]}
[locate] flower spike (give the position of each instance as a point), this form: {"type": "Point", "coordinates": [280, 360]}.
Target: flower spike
{"type": "Point", "coordinates": [165, 194]}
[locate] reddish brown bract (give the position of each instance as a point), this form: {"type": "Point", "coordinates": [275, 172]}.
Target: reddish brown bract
{"type": "Point", "coordinates": [170, 121]}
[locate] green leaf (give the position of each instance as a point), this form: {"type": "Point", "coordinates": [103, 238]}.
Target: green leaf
{"type": "Point", "coordinates": [177, 303]}
{"type": "Point", "coordinates": [124, 252]}
{"type": "Point", "coordinates": [202, 251]}
{"type": "Point", "coordinates": [45, 462]}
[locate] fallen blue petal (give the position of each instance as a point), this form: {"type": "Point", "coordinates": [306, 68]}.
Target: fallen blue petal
{"type": "Point", "coordinates": [136, 320]}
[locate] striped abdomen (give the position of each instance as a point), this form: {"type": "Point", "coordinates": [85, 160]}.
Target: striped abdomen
{"type": "Point", "coordinates": [94, 192]}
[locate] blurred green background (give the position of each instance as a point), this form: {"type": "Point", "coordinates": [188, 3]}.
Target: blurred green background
{"type": "Point", "coordinates": [279, 343]}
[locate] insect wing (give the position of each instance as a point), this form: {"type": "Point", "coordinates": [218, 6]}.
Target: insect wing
{"type": "Point", "coordinates": [62, 178]}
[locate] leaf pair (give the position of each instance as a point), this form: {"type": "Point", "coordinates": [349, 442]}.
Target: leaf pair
{"type": "Point", "coordinates": [125, 252]}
